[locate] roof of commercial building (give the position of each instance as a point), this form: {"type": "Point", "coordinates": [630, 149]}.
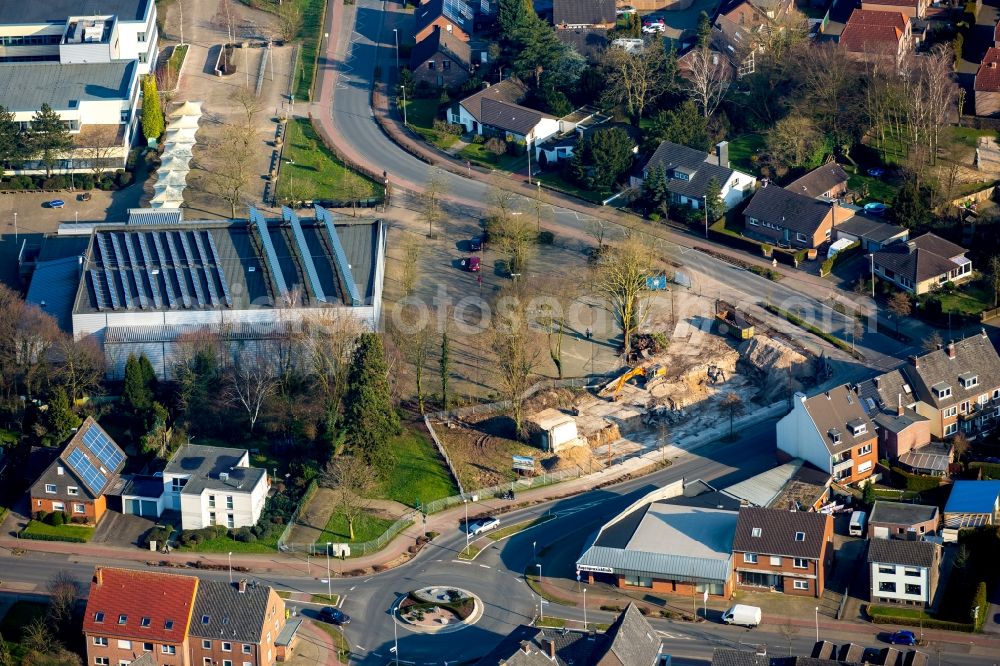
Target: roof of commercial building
{"type": "Point", "coordinates": [778, 532]}
{"type": "Point", "coordinates": [52, 11]}
{"type": "Point", "coordinates": [25, 86]}
{"type": "Point", "coordinates": [870, 229]}
{"type": "Point", "coordinates": [133, 603]}
{"type": "Point", "coordinates": [203, 464]}
{"type": "Point", "coordinates": [52, 287]}
{"type": "Point", "coordinates": [788, 209]}
{"type": "Point", "coordinates": [678, 530]}
{"type": "Point", "coordinates": [835, 413]}
{"type": "Point", "coordinates": [222, 611]}
{"type": "Point", "coordinates": [901, 551]}
{"type": "Point", "coordinates": [898, 513]}
{"type": "Point", "coordinates": [583, 12]}
{"type": "Point", "coordinates": [974, 354]}
{"type": "Point", "coordinates": [973, 497]}
{"type": "Point", "coordinates": [204, 266]}
{"type": "Point", "coordinates": [761, 490]}
{"type": "Point", "coordinates": [819, 181]}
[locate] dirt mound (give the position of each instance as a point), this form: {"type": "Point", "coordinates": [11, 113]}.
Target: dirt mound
{"type": "Point", "coordinates": [693, 382]}
{"type": "Point", "coordinates": [769, 362]}
{"type": "Point", "coordinates": [556, 398]}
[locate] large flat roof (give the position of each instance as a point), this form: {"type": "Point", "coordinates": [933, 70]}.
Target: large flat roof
{"type": "Point", "coordinates": [55, 11]}
{"type": "Point", "coordinates": [25, 86]}
{"type": "Point", "coordinates": [680, 530]}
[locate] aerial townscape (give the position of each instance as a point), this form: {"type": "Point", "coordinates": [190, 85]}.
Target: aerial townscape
{"type": "Point", "coordinates": [499, 332]}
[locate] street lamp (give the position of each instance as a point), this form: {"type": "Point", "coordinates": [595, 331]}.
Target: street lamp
{"type": "Point", "coordinates": [395, 34]}
{"type": "Point", "coordinates": [329, 590]}
{"type": "Point", "coordinates": [705, 199]}
{"type": "Point", "coordinates": [541, 600]}
{"type": "Point", "coordinates": [585, 609]}
{"type": "Point", "coordinates": [465, 501]}
{"type": "Point", "coordinates": [817, 624]}
{"type": "Point", "coordinates": [15, 226]}
{"type": "Point", "coordinates": [230, 567]}
{"type": "Point", "coordinates": [533, 543]}
{"type": "Point", "coordinates": [871, 257]}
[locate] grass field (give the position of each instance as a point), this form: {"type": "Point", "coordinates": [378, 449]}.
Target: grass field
{"type": "Point", "coordinates": [476, 152]}
{"type": "Point", "coordinates": [743, 148]}
{"type": "Point", "coordinates": [224, 544]}
{"type": "Point", "coordinates": [420, 116]}
{"type": "Point", "coordinates": [420, 474]}
{"type": "Point", "coordinates": [878, 189]}
{"type": "Point", "coordinates": [969, 299]}
{"type": "Point", "coordinates": [367, 526]}
{"type": "Point", "coordinates": [310, 33]}
{"type": "Point", "coordinates": [73, 532]}
{"type": "Point", "coordinates": [324, 599]}
{"type": "Point", "coordinates": [894, 611]}
{"type": "Point", "coordinates": [969, 136]}
{"type": "Point", "coordinates": [555, 180]}
{"type": "Point", "coordinates": [311, 171]}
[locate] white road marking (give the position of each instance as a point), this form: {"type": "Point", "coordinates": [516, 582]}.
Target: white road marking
{"type": "Point", "coordinates": [461, 562]}
{"type": "Point", "coordinates": [342, 600]}
{"type": "Point", "coordinates": [485, 566]}
{"type": "Point", "coordinates": [368, 579]}
{"type": "Point", "coordinates": [352, 589]}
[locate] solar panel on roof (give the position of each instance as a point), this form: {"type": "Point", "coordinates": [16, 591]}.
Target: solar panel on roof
{"type": "Point", "coordinates": [106, 257]}
{"type": "Point", "coordinates": [123, 272]}
{"type": "Point", "coordinates": [95, 282]}
{"type": "Point", "coordinates": [343, 267]}
{"type": "Point", "coordinates": [87, 471]}
{"type": "Point", "coordinates": [154, 285]}
{"type": "Point", "coordinates": [167, 286]}
{"type": "Point", "coordinates": [270, 256]}
{"type": "Point", "coordinates": [203, 257]}
{"type": "Point", "coordinates": [307, 261]}
{"type": "Point", "coordinates": [192, 270]}
{"type": "Point", "coordinates": [178, 271]}
{"type": "Point", "coordinates": [218, 269]}
{"type": "Point", "coordinates": [103, 449]}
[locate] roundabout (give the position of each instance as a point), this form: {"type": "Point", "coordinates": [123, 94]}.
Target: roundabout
{"type": "Point", "coordinates": [437, 610]}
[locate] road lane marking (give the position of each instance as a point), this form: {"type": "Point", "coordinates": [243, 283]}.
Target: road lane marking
{"type": "Point", "coordinates": [368, 579]}
{"type": "Point", "coordinates": [461, 562]}
{"type": "Point", "coordinates": [342, 600]}
{"type": "Point", "coordinates": [485, 566]}
{"type": "Point", "coordinates": [352, 589]}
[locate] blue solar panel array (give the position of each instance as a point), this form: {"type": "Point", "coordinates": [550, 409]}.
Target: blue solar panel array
{"type": "Point", "coordinates": [178, 270]}
{"type": "Point", "coordinates": [307, 261]}
{"type": "Point", "coordinates": [122, 273]}
{"type": "Point", "coordinates": [343, 266]}
{"type": "Point", "coordinates": [154, 284]}
{"type": "Point", "coordinates": [167, 283]}
{"type": "Point", "coordinates": [103, 448]}
{"type": "Point", "coordinates": [213, 293]}
{"type": "Point", "coordinates": [87, 471]}
{"type": "Point", "coordinates": [192, 269]}
{"type": "Point", "coordinates": [95, 282]}
{"type": "Point", "coordinates": [269, 254]}
{"type": "Point", "coordinates": [218, 269]}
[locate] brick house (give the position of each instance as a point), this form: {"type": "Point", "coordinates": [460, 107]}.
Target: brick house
{"type": "Point", "coordinates": [571, 14]}
{"type": "Point", "coordinates": [785, 551]}
{"type": "Point", "coordinates": [781, 217]}
{"type": "Point", "coordinates": [895, 520]}
{"type": "Point", "coordinates": [131, 613]}
{"type": "Point", "coordinates": [76, 481]}
{"type": "Point", "coordinates": [889, 401]}
{"type": "Point", "coordinates": [831, 431]}
{"type": "Point", "coordinates": [876, 35]}
{"type": "Point", "coordinates": [914, 9]}
{"type": "Point", "coordinates": [825, 182]}
{"type": "Point", "coordinates": [987, 84]}
{"type": "Point", "coordinates": [441, 59]}
{"type": "Point", "coordinates": [454, 17]}
{"type": "Point", "coordinates": [236, 624]}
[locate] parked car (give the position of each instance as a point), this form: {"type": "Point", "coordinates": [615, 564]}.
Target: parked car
{"type": "Point", "coordinates": [653, 28]}
{"type": "Point", "coordinates": [334, 616]}
{"type": "Point", "coordinates": [475, 244]}
{"type": "Point", "coordinates": [902, 637]}
{"type": "Point", "coordinates": [55, 203]}
{"type": "Point", "coordinates": [471, 264]}
{"type": "Point", "coordinates": [477, 527]}
{"type": "Point", "coordinates": [625, 10]}
{"type": "Point", "coordinates": [742, 615]}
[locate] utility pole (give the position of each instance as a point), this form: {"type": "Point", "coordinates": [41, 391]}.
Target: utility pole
{"type": "Point", "coordinates": [180, 8]}
{"type": "Point", "coordinates": [230, 567]}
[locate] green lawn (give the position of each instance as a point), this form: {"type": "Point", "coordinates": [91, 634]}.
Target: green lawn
{"type": "Point", "coordinates": [878, 189]}
{"type": "Point", "coordinates": [311, 171]}
{"type": "Point", "coordinates": [476, 152]}
{"type": "Point", "coordinates": [341, 643]}
{"type": "Point", "coordinates": [970, 136]}
{"type": "Point", "coordinates": [969, 299]}
{"type": "Point", "coordinates": [58, 532]}
{"type": "Point", "coordinates": [420, 116]}
{"type": "Point", "coordinates": [419, 473]}
{"type": "Point", "coordinates": [368, 526]}
{"type": "Point", "coordinates": [309, 35]}
{"type": "Point", "coordinates": [177, 59]}
{"type": "Point", "coordinates": [895, 611]}
{"type": "Point", "coordinates": [224, 544]}
{"type": "Point", "coordinates": [324, 599]}
{"type": "Point", "coordinates": [743, 148]}
{"type": "Point", "coordinates": [555, 180]}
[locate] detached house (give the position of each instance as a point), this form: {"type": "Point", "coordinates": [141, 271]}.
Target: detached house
{"type": "Point", "coordinates": [78, 480]}
{"type": "Point", "coordinates": [923, 264]}
{"type": "Point", "coordinates": [987, 84]}
{"type": "Point", "coordinates": [876, 35]}
{"type": "Point", "coordinates": [236, 623]}
{"type": "Point", "coordinates": [784, 551]}
{"type": "Point", "coordinates": [214, 485]}
{"type": "Point", "coordinates": [957, 387]}
{"type": "Point", "coordinates": [776, 215]}
{"type": "Point", "coordinates": [832, 432]}
{"type": "Point", "coordinates": [454, 17]}
{"type": "Point", "coordinates": [903, 572]}
{"type": "Point", "coordinates": [441, 59]}
{"type": "Point", "coordinates": [826, 182]}
{"type": "Point", "coordinates": [495, 111]}
{"type": "Point", "coordinates": [689, 171]}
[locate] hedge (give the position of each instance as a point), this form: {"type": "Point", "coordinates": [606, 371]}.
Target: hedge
{"type": "Point", "coordinates": [917, 482]}
{"type": "Point", "coordinates": [990, 470]}
{"type": "Point", "coordinates": [829, 264]}
{"type": "Point", "coordinates": [879, 616]}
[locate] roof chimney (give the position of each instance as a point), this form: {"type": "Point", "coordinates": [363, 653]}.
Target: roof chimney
{"type": "Point", "coordinates": [525, 647]}
{"type": "Point", "coordinates": [241, 586]}
{"type": "Point", "coordinates": [950, 349]}
{"type": "Point", "coordinates": [913, 361]}
{"type": "Point", "coordinates": [552, 649]}
{"type": "Point", "coordinates": [899, 404]}
{"type": "Point", "coordinates": [99, 576]}
{"type": "Point", "coordinates": [722, 153]}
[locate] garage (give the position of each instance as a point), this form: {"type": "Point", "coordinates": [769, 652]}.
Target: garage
{"type": "Point", "coordinates": [143, 507]}
{"type": "Point", "coordinates": [143, 496]}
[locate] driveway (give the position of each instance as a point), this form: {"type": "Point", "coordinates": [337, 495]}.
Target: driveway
{"type": "Point", "coordinates": [121, 530]}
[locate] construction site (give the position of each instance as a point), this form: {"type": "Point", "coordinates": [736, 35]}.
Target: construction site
{"type": "Point", "coordinates": [694, 364]}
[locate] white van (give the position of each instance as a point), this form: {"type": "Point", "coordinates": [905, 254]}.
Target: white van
{"type": "Point", "coordinates": [857, 523]}
{"type": "Point", "coordinates": [740, 614]}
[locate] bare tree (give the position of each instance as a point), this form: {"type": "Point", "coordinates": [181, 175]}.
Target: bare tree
{"type": "Point", "coordinates": [250, 382]}
{"type": "Point", "coordinates": [99, 144]}
{"type": "Point", "coordinates": [708, 78]}
{"type": "Point", "coordinates": [513, 236]}
{"type": "Point", "coordinates": [249, 104]}
{"type": "Point", "coordinates": [289, 20]}
{"type": "Point", "coordinates": [792, 141]}
{"type": "Point", "coordinates": [38, 637]}
{"type": "Point", "coordinates": [501, 202]}
{"type": "Point", "coordinates": [993, 276]}
{"type": "Point", "coordinates": [232, 166]}
{"type": "Point", "coordinates": [356, 189]}
{"type": "Point", "coordinates": [329, 338]}
{"type": "Point", "coordinates": [932, 342]}
{"type": "Point", "coordinates": [63, 592]}
{"type": "Point", "coordinates": [732, 405]}
{"type": "Point", "coordinates": [900, 306]}
{"type": "Point", "coordinates": [82, 366]}
{"type": "Point", "coordinates": [620, 277]}
{"type": "Point", "coordinates": [411, 258]}
{"type": "Point", "coordinates": [551, 316]}
{"type": "Point", "coordinates": [789, 632]}
{"type": "Point", "coordinates": [598, 230]}
{"type": "Point", "coordinates": [33, 338]}
{"type": "Point", "coordinates": [516, 349]}
{"type": "Point", "coordinates": [960, 443]}
{"type": "Point", "coordinates": [435, 189]}
{"type": "Point", "coordinates": [635, 79]}
{"type": "Point", "coordinates": [414, 342]}
{"type": "Point", "coordinates": [352, 481]}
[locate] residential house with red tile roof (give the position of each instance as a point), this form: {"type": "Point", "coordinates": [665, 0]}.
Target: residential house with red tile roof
{"type": "Point", "coordinates": [131, 613]}
{"type": "Point", "coordinates": [871, 35]}
{"type": "Point", "coordinates": [912, 8]}
{"type": "Point", "coordinates": [987, 85]}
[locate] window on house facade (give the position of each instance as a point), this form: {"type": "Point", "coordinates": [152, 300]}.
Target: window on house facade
{"type": "Point", "coordinates": [950, 429]}
{"type": "Point", "coordinates": [775, 561]}
{"type": "Point", "coordinates": [230, 521]}
{"type": "Point", "coordinates": [50, 488]}
{"type": "Point", "coordinates": [227, 647]}
{"type": "Point", "coordinates": [914, 589]}
{"type": "Point", "coordinates": [229, 502]}
{"type": "Point", "coordinates": [632, 581]}
{"type": "Point", "coordinates": [211, 518]}
{"type": "Point", "coordinates": [148, 647]}
{"type": "Point", "coordinates": [72, 490]}
{"type": "Point", "coordinates": [168, 649]}
{"type": "Point", "coordinates": [964, 407]}
{"type": "Point", "coordinates": [102, 661]}
{"type": "Point", "coordinates": [800, 584]}
{"type": "Point", "coordinates": [211, 501]}
{"type": "Point", "coordinates": [886, 586]}
{"type": "Point", "coordinates": [247, 649]}
{"type": "Point", "coordinates": [206, 645]}
{"type": "Point", "coordinates": [446, 64]}
{"type": "Point", "coordinates": [78, 508]}
{"type": "Point", "coordinates": [800, 563]}
{"type": "Point", "coordinates": [865, 450]}
{"type": "Point", "coordinates": [101, 640]}
{"type": "Point", "coordinates": [140, 37]}
{"type": "Point", "coordinates": [750, 558]}
{"type": "Point", "coordinates": [911, 572]}
{"type": "Point", "coordinates": [949, 411]}
{"type": "Point", "coordinates": [58, 506]}
{"type": "Point", "coordinates": [886, 569]}
{"type": "Point", "coordinates": [430, 64]}
{"type": "Point", "coordinates": [124, 645]}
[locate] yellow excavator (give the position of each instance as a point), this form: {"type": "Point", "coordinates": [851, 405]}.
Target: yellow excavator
{"type": "Point", "coordinates": [648, 371]}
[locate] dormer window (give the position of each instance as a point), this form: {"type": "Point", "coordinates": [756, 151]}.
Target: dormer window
{"type": "Point", "coordinates": [99, 617]}
{"type": "Point", "coordinates": [755, 532]}
{"type": "Point", "coordinates": [168, 624]}
{"type": "Point", "coordinates": [800, 536]}
{"type": "Point", "coordinates": [144, 622]}
{"type": "Point", "coordinates": [834, 435]}
{"type": "Point", "coordinates": [941, 390]}
{"type": "Point", "coordinates": [969, 380]}
{"type": "Point", "coordinates": [122, 619]}
{"type": "Point", "coordinates": [858, 427]}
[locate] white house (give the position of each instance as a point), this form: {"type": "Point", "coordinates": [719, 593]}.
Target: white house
{"type": "Point", "coordinates": [96, 101]}
{"type": "Point", "coordinates": [903, 572]}
{"type": "Point", "coordinates": [832, 432]}
{"type": "Point", "coordinates": [63, 31]}
{"type": "Point", "coordinates": [495, 111]}
{"type": "Point", "coordinates": [213, 485]}
{"type": "Point", "coordinates": [689, 171]}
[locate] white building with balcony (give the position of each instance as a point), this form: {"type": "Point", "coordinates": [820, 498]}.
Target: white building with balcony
{"type": "Point", "coordinates": [903, 572]}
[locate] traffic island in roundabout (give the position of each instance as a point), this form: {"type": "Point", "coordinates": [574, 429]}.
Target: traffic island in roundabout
{"type": "Point", "coordinates": [438, 609]}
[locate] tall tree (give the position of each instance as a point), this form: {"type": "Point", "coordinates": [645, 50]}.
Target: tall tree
{"type": "Point", "coordinates": [12, 140]}
{"type": "Point", "coordinates": [60, 419]}
{"type": "Point", "coordinates": [683, 124]}
{"type": "Point", "coordinates": [445, 367]}
{"type": "Point", "coordinates": [704, 29]}
{"type": "Point", "coordinates": [137, 394]}
{"type": "Point", "coordinates": [250, 382]}
{"type": "Point", "coordinates": [732, 405]}
{"type": "Point", "coordinates": [82, 366]}
{"type": "Point", "coordinates": [636, 79]}
{"type": "Point", "coordinates": [602, 157]}
{"type": "Point", "coordinates": [900, 306]}
{"type": "Point", "coordinates": [708, 79]}
{"type": "Point", "coordinates": [516, 348]}
{"type": "Point", "coordinates": [794, 141]}
{"type": "Point", "coordinates": [511, 14]}
{"type": "Point", "coordinates": [353, 480]}
{"type": "Point", "coordinates": [993, 275]}
{"type": "Point", "coordinates": [370, 418]}
{"type": "Point", "coordinates": [152, 113]}
{"type": "Point", "coordinates": [435, 189]}
{"type": "Point", "coordinates": [714, 202]}
{"type": "Point", "coordinates": [620, 277]}
{"type": "Point", "coordinates": [48, 137]}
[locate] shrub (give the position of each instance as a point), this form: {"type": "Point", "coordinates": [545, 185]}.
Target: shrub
{"type": "Point", "coordinates": [78, 520]}
{"type": "Point", "coordinates": [654, 217]}
{"type": "Point", "coordinates": [85, 181]}
{"type": "Point", "coordinates": [122, 178]}
{"type": "Point", "coordinates": [496, 147]}
{"type": "Point", "coordinates": [448, 128]}
{"type": "Point", "coordinates": [158, 534]}
{"type": "Point", "coordinates": [546, 238]}
{"type": "Point", "coordinates": [611, 608]}
{"type": "Point", "coordinates": [55, 183]}
{"type": "Point", "coordinates": [41, 516]}
{"type": "Point", "coordinates": [244, 535]}
{"type": "Point", "coordinates": [916, 482]}
{"type": "Point", "coordinates": [885, 616]}
{"type": "Point", "coordinates": [990, 470]}
{"type": "Point", "coordinates": [432, 535]}
{"type": "Point", "coordinates": [56, 518]}
{"type": "Point", "coordinates": [478, 139]}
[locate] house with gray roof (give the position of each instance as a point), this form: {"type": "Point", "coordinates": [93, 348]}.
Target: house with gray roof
{"type": "Point", "coordinates": [687, 173]}
{"type": "Point", "coordinates": [898, 520]}
{"type": "Point", "coordinates": [904, 434]}
{"type": "Point", "coordinates": [784, 218]}
{"type": "Point", "coordinates": [832, 431]}
{"type": "Point", "coordinates": [569, 14]}
{"type": "Point", "coordinates": [903, 572]}
{"type": "Point", "coordinates": [957, 387]}
{"type": "Point", "coordinates": [677, 539]}
{"type": "Point", "coordinates": [871, 233]}
{"type": "Point", "coordinates": [239, 622]}
{"type": "Point", "coordinates": [441, 59]}
{"type": "Point", "coordinates": [923, 264]}
{"type": "Point", "coordinates": [824, 182]}
{"type": "Point", "coordinates": [496, 111]}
